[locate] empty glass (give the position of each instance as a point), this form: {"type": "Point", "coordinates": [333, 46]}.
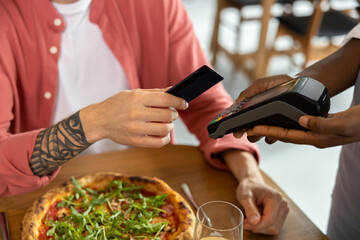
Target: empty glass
{"type": "Point", "coordinates": [218, 220]}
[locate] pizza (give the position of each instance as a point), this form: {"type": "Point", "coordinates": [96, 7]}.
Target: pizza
{"type": "Point", "coordinates": [110, 206]}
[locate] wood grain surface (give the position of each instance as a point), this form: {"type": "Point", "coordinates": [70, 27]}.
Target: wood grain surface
{"type": "Point", "coordinates": [174, 165]}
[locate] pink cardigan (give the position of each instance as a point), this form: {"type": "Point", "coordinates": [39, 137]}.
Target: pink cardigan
{"type": "Point", "coordinates": [153, 40]}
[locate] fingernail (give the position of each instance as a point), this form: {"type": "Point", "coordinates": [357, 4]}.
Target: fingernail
{"type": "Point", "coordinates": [303, 121]}
{"type": "Point", "coordinates": [166, 139]}
{"type": "Point", "coordinates": [254, 219]}
{"type": "Point", "coordinates": [175, 115]}
{"type": "Point", "coordinates": [186, 104]}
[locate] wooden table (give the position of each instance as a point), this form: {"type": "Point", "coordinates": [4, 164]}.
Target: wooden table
{"type": "Point", "coordinates": [175, 165]}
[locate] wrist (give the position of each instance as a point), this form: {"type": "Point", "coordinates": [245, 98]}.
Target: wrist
{"type": "Point", "coordinates": [91, 123]}
{"type": "Point", "coordinates": [243, 165]}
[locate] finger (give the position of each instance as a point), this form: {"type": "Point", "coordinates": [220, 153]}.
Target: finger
{"type": "Point", "coordinates": [272, 207]}
{"type": "Point", "coordinates": [282, 134]}
{"type": "Point", "coordinates": [282, 216]}
{"type": "Point", "coordinates": [254, 138]}
{"type": "Point", "coordinates": [239, 134]}
{"type": "Point", "coordinates": [164, 115]}
{"type": "Point", "coordinates": [320, 140]}
{"type": "Point", "coordinates": [150, 141]}
{"type": "Point", "coordinates": [158, 99]}
{"type": "Point", "coordinates": [151, 129]}
{"type": "Point", "coordinates": [261, 85]}
{"type": "Point", "coordinates": [249, 92]}
{"type": "Point", "coordinates": [157, 89]}
{"type": "Point", "coordinates": [154, 89]}
{"type": "Point", "coordinates": [270, 140]}
{"type": "Point", "coordinates": [275, 228]}
{"type": "Point", "coordinates": [325, 125]}
{"type": "Point", "coordinates": [269, 217]}
{"type": "Point", "coordinates": [254, 89]}
{"type": "Point", "coordinates": [251, 211]}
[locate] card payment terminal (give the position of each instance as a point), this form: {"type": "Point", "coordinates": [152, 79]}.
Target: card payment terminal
{"type": "Point", "coordinates": [281, 106]}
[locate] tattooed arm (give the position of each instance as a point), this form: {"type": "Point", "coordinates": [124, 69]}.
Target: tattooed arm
{"type": "Point", "coordinates": [145, 121]}
{"type": "Point", "coordinates": [58, 144]}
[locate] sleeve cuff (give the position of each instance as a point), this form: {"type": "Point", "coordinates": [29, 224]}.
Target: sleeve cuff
{"type": "Point", "coordinates": [16, 176]}
{"type": "Point", "coordinates": [215, 147]}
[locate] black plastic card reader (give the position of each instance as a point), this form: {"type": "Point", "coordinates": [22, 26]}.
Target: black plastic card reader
{"type": "Point", "coordinates": [281, 106]}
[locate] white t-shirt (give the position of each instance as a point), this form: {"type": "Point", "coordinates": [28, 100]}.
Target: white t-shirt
{"type": "Point", "coordinates": [88, 70]}
{"type": "Point", "coordinates": [344, 222]}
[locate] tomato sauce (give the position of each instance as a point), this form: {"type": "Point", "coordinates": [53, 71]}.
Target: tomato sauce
{"type": "Point", "coordinates": [50, 215]}
{"type": "Point", "coordinates": [147, 193]}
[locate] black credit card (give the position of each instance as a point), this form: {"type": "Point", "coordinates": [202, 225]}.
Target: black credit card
{"type": "Point", "coordinates": [196, 83]}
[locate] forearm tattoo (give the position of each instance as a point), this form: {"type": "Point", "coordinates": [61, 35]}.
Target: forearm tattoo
{"type": "Point", "coordinates": [57, 145]}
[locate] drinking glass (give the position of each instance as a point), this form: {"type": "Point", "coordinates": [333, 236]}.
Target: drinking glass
{"type": "Point", "coordinates": [218, 220]}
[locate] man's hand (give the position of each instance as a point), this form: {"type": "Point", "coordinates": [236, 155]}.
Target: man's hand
{"type": "Point", "coordinates": [337, 129]}
{"type": "Point", "coordinates": [257, 87]}
{"type": "Point", "coordinates": [265, 209]}
{"type": "Point", "coordinates": [141, 118]}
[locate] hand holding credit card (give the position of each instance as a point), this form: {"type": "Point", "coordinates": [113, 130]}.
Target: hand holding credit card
{"type": "Point", "coordinates": [195, 84]}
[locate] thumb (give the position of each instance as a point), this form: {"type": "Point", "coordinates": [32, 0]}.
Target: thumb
{"type": "Point", "coordinates": [251, 212]}
{"type": "Point", "coordinates": [316, 124]}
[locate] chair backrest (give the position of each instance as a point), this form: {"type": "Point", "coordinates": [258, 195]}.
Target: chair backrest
{"type": "Point", "coordinates": [324, 21]}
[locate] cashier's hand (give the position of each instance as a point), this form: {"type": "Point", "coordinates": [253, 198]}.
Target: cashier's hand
{"type": "Point", "coordinates": [337, 129]}
{"type": "Point", "coordinates": [259, 86]}
{"type": "Point", "coordinates": [265, 209]}
{"type": "Point", "coordinates": [140, 117]}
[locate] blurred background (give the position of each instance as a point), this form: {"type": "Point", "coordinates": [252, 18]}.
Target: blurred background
{"type": "Point", "coordinates": [247, 39]}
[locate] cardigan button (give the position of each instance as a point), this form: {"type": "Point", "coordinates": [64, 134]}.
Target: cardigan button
{"type": "Point", "coordinates": [53, 50]}
{"type": "Point", "coordinates": [47, 95]}
{"type": "Point", "coordinates": [57, 22]}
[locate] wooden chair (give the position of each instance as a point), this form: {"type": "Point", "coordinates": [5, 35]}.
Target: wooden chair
{"type": "Point", "coordinates": [240, 59]}
{"type": "Point", "coordinates": [325, 24]}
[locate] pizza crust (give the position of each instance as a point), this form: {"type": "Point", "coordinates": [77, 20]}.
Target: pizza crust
{"type": "Point", "coordinates": [34, 215]}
